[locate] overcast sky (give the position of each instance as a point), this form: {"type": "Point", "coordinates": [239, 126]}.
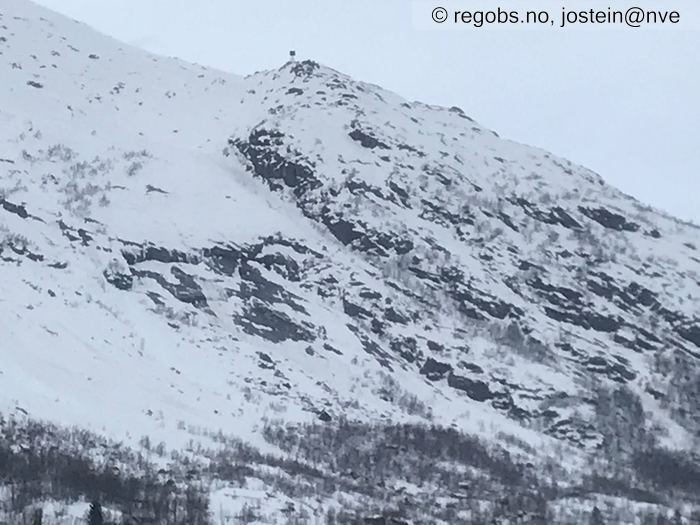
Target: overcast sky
{"type": "Point", "coordinates": [625, 103]}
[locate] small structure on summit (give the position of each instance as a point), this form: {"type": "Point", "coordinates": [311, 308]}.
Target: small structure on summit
{"type": "Point", "coordinates": [292, 56]}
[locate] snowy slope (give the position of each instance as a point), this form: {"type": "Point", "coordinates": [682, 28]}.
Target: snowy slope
{"type": "Point", "coordinates": [181, 247]}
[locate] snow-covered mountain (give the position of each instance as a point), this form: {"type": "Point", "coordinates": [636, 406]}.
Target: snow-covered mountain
{"type": "Point", "coordinates": [185, 251]}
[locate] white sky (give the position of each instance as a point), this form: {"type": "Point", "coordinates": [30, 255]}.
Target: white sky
{"type": "Point", "coordinates": [625, 103]}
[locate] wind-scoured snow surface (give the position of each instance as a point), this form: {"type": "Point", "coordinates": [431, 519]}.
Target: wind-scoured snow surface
{"type": "Point", "coordinates": [181, 245]}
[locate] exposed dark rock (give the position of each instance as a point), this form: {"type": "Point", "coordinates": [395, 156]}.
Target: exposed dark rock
{"type": "Point", "coordinates": [255, 286]}
{"type": "Point", "coordinates": [507, 220]}
{"type": "Point", "coordinates": [549, 414]}
{"type": "Point", "coordinates": [391, 315]}
{"type": "Point", "coordinates": [402, 194]}
{"type": "Point", "coordinates": [282, 264]}
{"type": "Point", "coordinates": [275, 326]}
{"type": "Point", "coordinates": [85, 237]}
{"type": "Point", "coordinates": [422, 274]}
{"type": "Point", "coordinates": [224, 259]}
{"type": "Point", "coordinates": [266, 361]}
{"type": "Point", "coordinates": [690, 332]}
{"type": "Point", "coordinates": [560, 216]}
{"type": "Point", "coordinates": [575, 431]}
{"type": "Point", "coordinates": [343, 230]}
{"type": "Point", "coordinates": [365, 239]}
{"type": "Point", "coordinates": [360, 187]}
{"type": "Point", "coordinates": [635, 293]}
{"type": "Point", "coordinates": [557, 295]}
{"type": "Point", "coordinates": [305, 68]}
{"type": "Point", "coordinates": [435, 370]}
{"type": "Point", "coordinates": [637, 344]}
{"type": "Point", "coordinates": [608, 219]}
{"type": "Point", "coordinates": [73, 235]}
{"type": "Point", "coordinates": [366, 140]}
{"type": "Point", "coordinates": [526, 265]}
{"type": "Point", "coordinates": [406, 147]}
{"type": "Point", "coordinates": [384, 520]}
{"type": "Point", "coordinates": [370, 294]}
{"type": "Point", "coordinates": [331, 348]}
{"type": "Point", "coordinates": [471, 367]}
{"type": "Point", "coordinates": [460, 113]}
{"type": "Point", "coordinates": [261, 150]}
{"type": "Point", "coordinates": [407, 348]}
{"type": "Point", "coordinates": [156, 253]}
{"type": "Point", "coordinates": [628, 298]}
{"type": "Point", "coordinates": [186, 290]}
{"type": "Point", "coordinates": [377, 327]}
{"type": "Point", "coordinates": [435, 213]}
{"type": "Point", "coordinates": [655, 393]}
{"type": "Point", "coordinates": [555, 215]}
{"type": "Point", "coordinates": [475, 304]}
{"type": "Point", "coordinates": [119, 280]}
{"type": "Point", "coordinates": [435, 346]}
{"type": "Point", "coordinates": [615, 371]}
{"type": "Point", "coordinates": [437, 173]}
{"type": "Point", "coordinates": [475, 389]}
{"type": "Point", "coordinates": [17, 209]}
{"type": "Point", "coordinates": [156, 298]}
{"type": "Point", "coordinates": [371, 347]}
{"type": "Point", "coordinates": [22, 250]}
{"type": "Point", "coordinates": [585, 319]}
{"type": "Point", "coordinates": [354, 310]}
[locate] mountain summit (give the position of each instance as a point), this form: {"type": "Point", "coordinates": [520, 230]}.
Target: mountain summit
{"type": "Point", "coordinates": [186, 252]}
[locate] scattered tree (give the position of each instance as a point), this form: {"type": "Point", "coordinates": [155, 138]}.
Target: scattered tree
{"type": "Point", "coordinates": [95, 514]}
{"type": "Point", "coordinates": [597, 517]}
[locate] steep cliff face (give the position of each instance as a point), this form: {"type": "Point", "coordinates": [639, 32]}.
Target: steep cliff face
{"type": "Point", "coordinates": [179, 245]}
{"type": "Point", "coordinates": [553, 282]}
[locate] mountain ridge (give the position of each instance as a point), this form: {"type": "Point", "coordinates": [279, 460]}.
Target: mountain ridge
{"type": "Point", "coordinates": [190, 249]}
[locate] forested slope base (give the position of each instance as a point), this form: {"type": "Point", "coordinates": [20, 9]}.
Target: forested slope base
{"type": "Point", "coordinates": [361, 472]}
{"type": "Point", "coordinates": [376, 301]}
